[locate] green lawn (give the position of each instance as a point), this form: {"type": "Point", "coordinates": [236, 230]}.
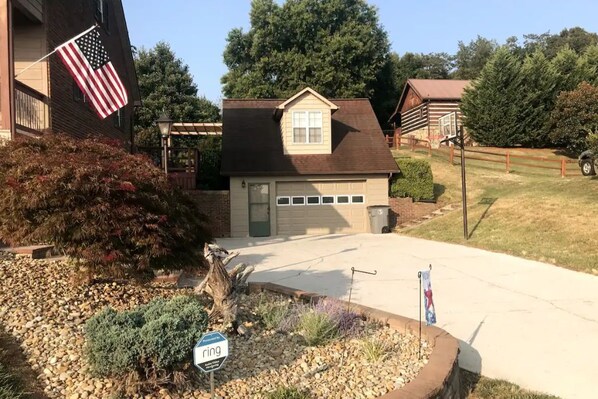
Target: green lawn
{"type": "Point", "coordinates": [474, 386]}
{"type": "Point", "coordinates": [531, 213]}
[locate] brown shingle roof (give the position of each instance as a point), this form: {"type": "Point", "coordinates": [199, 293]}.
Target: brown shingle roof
{"type": "Point", "coordinates": [252, 142]}
{"type": "Point", "coordinates": [432, 89]}
{"type": "Point", "coordinates": [438, 89]}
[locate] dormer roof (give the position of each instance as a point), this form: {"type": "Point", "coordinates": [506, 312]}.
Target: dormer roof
{"type": "Point", "coordinates": [280, 108]}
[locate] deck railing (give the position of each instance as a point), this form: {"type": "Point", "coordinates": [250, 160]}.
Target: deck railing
{"type": "Point", "coordinates": [183, 164]}
{"type": "Point", "coordinates": [32, 108]}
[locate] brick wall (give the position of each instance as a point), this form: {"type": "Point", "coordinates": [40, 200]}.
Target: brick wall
{"type": "Point", "coordinates": [403, 210]}
{"type": "Point", "coordinates": [216, 205]}
{"type": "Point", "coordinates": [65, 19]}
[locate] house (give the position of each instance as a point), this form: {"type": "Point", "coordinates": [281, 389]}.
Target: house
{"type": "Point", "coordinates": [45, 98]}
{"type": "Point", "coordinates": [428, 107]}
{"type": "Point", "coordinates": [304, 165]}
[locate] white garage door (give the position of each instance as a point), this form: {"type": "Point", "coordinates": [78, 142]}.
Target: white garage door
{"type": "Point", "coordinates": [321, 207]}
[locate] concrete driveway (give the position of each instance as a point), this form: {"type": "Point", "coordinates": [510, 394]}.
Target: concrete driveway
{"type": "Point", "coordinates": [531, 323]}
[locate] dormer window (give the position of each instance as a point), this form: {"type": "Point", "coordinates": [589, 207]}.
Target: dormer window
{"type": "Point", "coordinates": [307, 127]}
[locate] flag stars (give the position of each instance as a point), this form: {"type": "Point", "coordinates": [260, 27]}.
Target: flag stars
{"type": "Point", "coordinates": [93, 49]}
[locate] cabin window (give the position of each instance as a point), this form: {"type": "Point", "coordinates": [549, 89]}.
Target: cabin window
{"type": "Point", "coordinates": [307, 127]}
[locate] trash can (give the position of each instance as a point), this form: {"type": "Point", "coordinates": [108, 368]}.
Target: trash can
{"type": "Point", "coordinates": [378, 218]}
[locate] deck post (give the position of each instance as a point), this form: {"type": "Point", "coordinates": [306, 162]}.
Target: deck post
{"type": "Point", "coordinates": [563, 168]}
{"type": "Point", "coordinates": [452, 155]}
{"type": "Point", "coordinates": [508, 161]}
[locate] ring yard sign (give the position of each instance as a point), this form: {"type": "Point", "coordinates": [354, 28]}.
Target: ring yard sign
{"type": "Point", "coordinates": [210, 352]}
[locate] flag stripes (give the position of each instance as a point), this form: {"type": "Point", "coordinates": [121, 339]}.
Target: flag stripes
{"type": "Point", "coordinates": [101, 85]}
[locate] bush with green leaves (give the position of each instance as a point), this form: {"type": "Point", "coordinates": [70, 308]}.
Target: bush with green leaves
{"type": "Point", "coordinates": [272, 312]}
{"type": "Point", "coordinates": [98, 203]}
{"type": "Point", "coordinates": [415, 180]}
{"type": "Point", "coordinates": [150, 339]}
{"type": "Point", "coordinates": [287, 393]}
{"type": "Point", "coordinates": [575, 117]}
{"type": "Point", "coordinates": [317, 328]}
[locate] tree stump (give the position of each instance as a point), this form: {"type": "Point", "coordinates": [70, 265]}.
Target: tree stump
{"type": "Point", "coordinates": [222, 285]}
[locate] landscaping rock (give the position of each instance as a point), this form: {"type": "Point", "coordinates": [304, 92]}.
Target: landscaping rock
{"type": "Point", "coordinates": [46, 312]}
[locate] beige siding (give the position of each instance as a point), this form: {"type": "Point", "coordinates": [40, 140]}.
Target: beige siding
{"type": "Point", "coordinates": [306, 102]}
{"type": "Point", "coordinates": [31, 8]}
{"type": "Point", "coordinates": [350, 218]}
{"type": "Point", "coordinates": [29, 46]}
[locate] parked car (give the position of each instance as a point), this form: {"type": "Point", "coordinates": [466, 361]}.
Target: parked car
{"type": "Point", "coordinates": [588, 163]}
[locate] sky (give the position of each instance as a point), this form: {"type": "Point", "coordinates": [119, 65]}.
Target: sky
{"type": "Point", "coordinates": [197, 29]}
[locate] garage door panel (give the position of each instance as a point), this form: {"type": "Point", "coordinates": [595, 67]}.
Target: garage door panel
{"type": "Point", "coordinates": [321, 219]}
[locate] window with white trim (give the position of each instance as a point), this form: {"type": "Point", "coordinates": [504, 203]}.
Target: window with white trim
{"type": "Point", "coordinates": [313, 200]}
{"type": "Point", "coordinates": [283, 201]}
{"type": "Point", "coordinates": [357, 199]}
{"type": "Point", "coordinates": [342, 199]}
{"type": "Point", "coordinates": [307, 127]}
{"type": "Point", "coordinates": [298, 200]}
{"type": "Point", "coordinates": [327, 199]}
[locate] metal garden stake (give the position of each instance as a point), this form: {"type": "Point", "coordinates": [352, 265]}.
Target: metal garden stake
{"type": "Point", "coordinates": [353, 271]}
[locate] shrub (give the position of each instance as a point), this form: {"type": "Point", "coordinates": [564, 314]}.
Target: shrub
{"type": "Point", "coordinates": [575, 117]}
{"type": "Point", "coordinates": [317, 328]}
{"type": "Point", "coordinates": [374, 349]}
{"type": "Point", "coordinates": [272, 312]}
{"type": "Point", "coordinates": [347, 322]}
{"type": "Point", "coordinates": [415, 180]}
{"type": "Point", "coordinates": [97, 203]}
{"type": "Point", "coordinates": [152, 338]}
{"type": "Point", "coordinates": [287, 393]}
{"type": "Point", "coordinates": [10, 387]}
{"type": "Point", "coordinates": [592, 142]}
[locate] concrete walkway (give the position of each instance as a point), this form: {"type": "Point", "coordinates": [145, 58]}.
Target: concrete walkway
{"type": "Point", "coordinates": [531, 323]}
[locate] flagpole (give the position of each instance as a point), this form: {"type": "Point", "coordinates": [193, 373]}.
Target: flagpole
{"type": "Point", "coordinates": [57, 48]}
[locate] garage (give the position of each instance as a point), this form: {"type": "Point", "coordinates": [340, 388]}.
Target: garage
{"type": "Point", "coordinates": [322, 207]}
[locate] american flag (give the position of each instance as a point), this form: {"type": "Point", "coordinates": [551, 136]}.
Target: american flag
{"type": "Point", "coordinates": [87, 60]}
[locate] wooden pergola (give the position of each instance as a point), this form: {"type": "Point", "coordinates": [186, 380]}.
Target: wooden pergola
{"type": "Point", "coordinates": [196, 129]}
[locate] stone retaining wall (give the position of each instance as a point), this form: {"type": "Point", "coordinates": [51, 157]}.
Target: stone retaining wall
{"type": "Point", "coordinates": [404, 210]}
{"type": "Point", "coordinates": [439, 379]}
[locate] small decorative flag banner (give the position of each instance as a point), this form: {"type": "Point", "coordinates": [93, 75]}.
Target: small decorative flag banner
{"type": "Point", "coordinates": [428, 301]}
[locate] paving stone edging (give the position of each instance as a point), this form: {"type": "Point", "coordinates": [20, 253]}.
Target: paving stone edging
{"type": "Point", "coordinates": [439, 379]}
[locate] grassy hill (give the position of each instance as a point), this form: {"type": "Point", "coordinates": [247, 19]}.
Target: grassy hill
{"type": "Point", "coordinates": [531, 213]}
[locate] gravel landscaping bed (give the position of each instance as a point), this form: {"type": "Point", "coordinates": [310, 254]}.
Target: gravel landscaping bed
{"type": "Point", "coordinates": [46, 313]}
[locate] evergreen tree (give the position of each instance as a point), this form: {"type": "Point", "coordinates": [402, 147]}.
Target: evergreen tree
{"type": "Point", "coordinates": [336, 47]}
{"type": "Point", "coordinates": [538, 88]}
{"type": "Point", "coordinates": [572, 69]}
{"type": "Point", "coordinates": [472, 57]}
{"type": "Point", "coordinates": [591, 56]}
{"type": "Point", "coordinates": [166, 84]}
{"type": "Point", "coordinates": [491, 105]}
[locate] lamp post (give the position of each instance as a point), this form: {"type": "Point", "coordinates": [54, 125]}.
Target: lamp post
{"type": "Point", "coordinates": [165, 125]}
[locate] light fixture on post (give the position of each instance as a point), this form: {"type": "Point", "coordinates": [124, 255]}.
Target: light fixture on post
{"type": "Point", "coordinates": [243, 184]}
{"type": "Point", "coordinates": [165, 125]}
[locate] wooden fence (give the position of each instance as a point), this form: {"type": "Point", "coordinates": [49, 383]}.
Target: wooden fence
{"type": "Point", "coordinates": [508, 159]}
